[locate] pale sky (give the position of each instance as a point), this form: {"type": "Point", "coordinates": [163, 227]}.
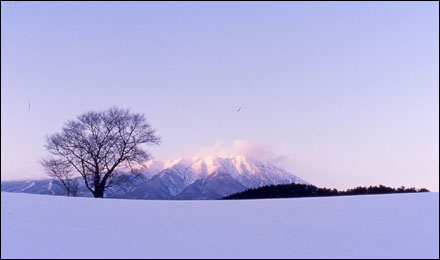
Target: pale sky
{"type": "Point", "coordinates": [347, 94]}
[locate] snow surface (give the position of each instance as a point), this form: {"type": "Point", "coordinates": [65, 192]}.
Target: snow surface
{"type": "Point", "coordinates": [373, 226]}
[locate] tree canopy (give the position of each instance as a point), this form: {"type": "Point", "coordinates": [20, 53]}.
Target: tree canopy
{"type": "Point", "coordinates": [95, 144]}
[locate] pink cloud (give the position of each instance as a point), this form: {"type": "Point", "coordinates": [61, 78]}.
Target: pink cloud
{"type": "Point", "coordinates": [251, 149]}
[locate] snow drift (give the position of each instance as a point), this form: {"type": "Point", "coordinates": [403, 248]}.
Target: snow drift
{"type": "Point", "coordinates": [370, 226]}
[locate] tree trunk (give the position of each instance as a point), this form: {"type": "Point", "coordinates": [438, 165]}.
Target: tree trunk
{"type": "Point", "coordinates": [99, 192]}
{"type": "Point", "coordinates": [99, 189]}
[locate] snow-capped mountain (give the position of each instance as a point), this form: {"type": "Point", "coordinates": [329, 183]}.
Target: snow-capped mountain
{"type": "Point", "coordinates": [210, 177]}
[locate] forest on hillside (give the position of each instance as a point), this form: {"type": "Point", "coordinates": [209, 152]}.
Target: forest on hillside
{"type": "Point", "coordinates": [302, 190]}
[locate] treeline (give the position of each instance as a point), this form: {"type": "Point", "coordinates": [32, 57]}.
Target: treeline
{"type": "Point", "coordinates": [302, 190]}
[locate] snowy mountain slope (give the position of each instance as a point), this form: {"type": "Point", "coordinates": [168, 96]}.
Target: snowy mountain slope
{"type": "Point", "coordinates": [37, 187]}
{"type": "Point", "coordinates": [164, 185]}
{"type": "Point", "coordinates": [248, 172]}
{"type": "Point", "coordinates": [214, 186]}
{"type": "Point", "coordinates": [211, 178]}
{"type": "Point", "coordinates": [199, 178]}
{"type": "Point", "coordinates": [370, 226]}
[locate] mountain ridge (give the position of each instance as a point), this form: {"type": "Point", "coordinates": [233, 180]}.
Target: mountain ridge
{"type": "Point", "coordinates": [209, 177]}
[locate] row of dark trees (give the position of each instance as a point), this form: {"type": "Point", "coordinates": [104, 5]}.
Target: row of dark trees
{"type": "Point", "coordinates": [302, 190]}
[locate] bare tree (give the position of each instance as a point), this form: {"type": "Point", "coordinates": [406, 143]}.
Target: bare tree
{"type": "Point", "coordinates": [96, 143]}
{"type": "Point", "coordinates": [63, 174]}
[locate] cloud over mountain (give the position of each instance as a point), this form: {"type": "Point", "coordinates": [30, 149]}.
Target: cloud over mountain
{"type": "Point", "coordinates": [254, 150]}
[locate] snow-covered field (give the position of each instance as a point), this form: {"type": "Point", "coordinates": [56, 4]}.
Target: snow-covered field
{"type": "Point", "coordinates": [376, 226]}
